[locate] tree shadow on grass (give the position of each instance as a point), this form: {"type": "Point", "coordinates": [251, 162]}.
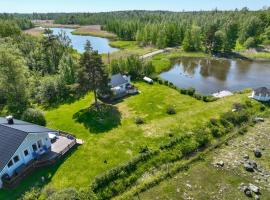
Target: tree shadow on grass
{"type": "Point", "coordinates": [99, 119]}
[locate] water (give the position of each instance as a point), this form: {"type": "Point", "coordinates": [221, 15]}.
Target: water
{"type": "Point", "coordinates": [78, 41]}
{"type": "Point", "coordinates": [208, 76]}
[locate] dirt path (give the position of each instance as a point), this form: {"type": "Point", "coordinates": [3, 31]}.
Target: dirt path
{"type": "Point", "coordinates": [150, 55]}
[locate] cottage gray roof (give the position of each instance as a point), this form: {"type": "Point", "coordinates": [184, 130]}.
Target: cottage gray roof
{"type": "Point", "coordinates": [117, 80]}
{"type": "Point", "coordinates": [263, 91]}
{"type": "Point", "coordinates": [12, 136]}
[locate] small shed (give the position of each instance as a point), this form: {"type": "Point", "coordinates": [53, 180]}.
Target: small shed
{"type": "Point", "coordinates": [148, 80]}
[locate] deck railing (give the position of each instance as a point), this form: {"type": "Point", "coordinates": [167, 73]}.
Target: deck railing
{"type": "Point", "coordinates": [35, 164]}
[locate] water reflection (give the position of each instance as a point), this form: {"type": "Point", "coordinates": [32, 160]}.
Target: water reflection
{"type": "Point", "coordinates": [212, 75]}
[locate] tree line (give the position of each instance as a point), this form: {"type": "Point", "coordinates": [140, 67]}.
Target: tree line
{"type": "Point", "coordinates": [211, 31]}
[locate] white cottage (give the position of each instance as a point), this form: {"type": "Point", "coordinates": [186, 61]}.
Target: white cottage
{"type": "Point", "coordinates": [261, 94]}
{"type": "Point", "coordinates": [21, 142]}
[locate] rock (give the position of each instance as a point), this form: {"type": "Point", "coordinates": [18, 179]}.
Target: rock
{"type": "Point", "coordinates": [257, 153]}
{"type": "Point", "coordinates": [248, 193]}
{"type": "Point", "coordinates": [259, 119]}
{"type": "Point", "coordinates": [254, 188]}
{"type": "Point", "coordinates": [248, 167]}
{"type": "Point", "coordinates": [257, 197]}
{"type": "Point", "coordinates": [188, 185]}
{"type": "Point", "coordinates": [246, 157]}
{"type": "Point", "coordinates": [220, 164]}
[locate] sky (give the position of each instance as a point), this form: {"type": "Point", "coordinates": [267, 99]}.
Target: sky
{"type": "Point", "coordinates": [29, 6]}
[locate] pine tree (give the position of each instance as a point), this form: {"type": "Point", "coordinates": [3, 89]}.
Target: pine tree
{"type": "Point", "coordinates": [94, 70]}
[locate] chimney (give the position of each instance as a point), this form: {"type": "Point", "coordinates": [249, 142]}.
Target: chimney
{"type": "Point", "coordinates": [10, 120]}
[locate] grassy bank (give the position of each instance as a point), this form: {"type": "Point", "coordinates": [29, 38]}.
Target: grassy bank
{"type": "Point", "coordinates": [127, 48]}
{"type": "Point", "coordinates": [257, 55]}
{"type": "Point", "coordinates": [94, 30]}
{"type": "Point", "coordinates": [163, 62]}
{"type": "Point", "coordinates": [120, 141]}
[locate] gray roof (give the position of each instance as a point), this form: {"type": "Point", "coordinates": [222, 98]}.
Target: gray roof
{"type": "Point", "coordinates": [12, 136]}
{"type": "Point", "coordinates": [10, 140]}
{"type": "Point", "coordinates": [117, 80]}
{"type": "Point", "coordinates": [263, 91]}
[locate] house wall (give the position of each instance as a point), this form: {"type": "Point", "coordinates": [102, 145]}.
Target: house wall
{"type": "Point", "coordinates": [261, 98]}
{"type": "Point", "coordinates": [26, 145]}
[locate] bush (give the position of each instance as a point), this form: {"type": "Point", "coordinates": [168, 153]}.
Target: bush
{"type": "Point", "coordinates": [32, 194]}
{"type": "Point", "coordinates": [139, 121]}
{"type": "Point", "coordinates": [191, 91]}
{"type": "Point", "coordinates": [250, 43]}
{"type": "Point", "coordinates": [34, 116]}
{"type": "Point", "coordinates": [242, 130]}
{"type": "Point", "coordinates": [144, 149]}
{"type": "Point", "coordinates": [198, 96]}
{"type": "Point", "coordinates": [171, 110]}
{"type": "Point", "coordinates": [65, 194]}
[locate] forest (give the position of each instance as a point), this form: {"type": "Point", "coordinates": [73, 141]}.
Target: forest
{"type": "Point", "coordinates": [211, 31]}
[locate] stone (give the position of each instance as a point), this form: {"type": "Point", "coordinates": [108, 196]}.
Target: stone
{"type": "Point", "coordinates": [248, 167]}
{"type": "Point", "coordinates": [220, 164]}
{"type": "Point", "coordinates": [248, 193]}
{"type": "Point", "coordinates": [257, 153]}
{"type": "Point", "coordinates": [257, 197]}
{"type": "Point", "coordinates": [246, 157]}
{"type": "Point", "coordinates": [254, 188]}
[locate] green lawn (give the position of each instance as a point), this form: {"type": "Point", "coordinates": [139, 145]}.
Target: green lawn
{"type": "Point", "coordinates": [122, 140]}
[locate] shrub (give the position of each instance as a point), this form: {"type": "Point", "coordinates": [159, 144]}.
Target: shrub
{"type": "Point", "coordinates": [242, 130]}
{"type": "Point", "coordinates": [144, 149]}
{"type": "Point", "coordinates": [183, 91]}
{"type": "Point", "coordinates": [198, 96]}
{"type": "Point", "coordinates": [32, 194]}
{"type": "Point", "coordinates": [34, 116]}
{"type": "Point", "coordinates": [262, 108]}
{"type": "Point", "coordinates": [171, 110]}
{"type": "Point", "coordinates": [166, 82]}
{"type": "Point", "coordinates": [139, 120]}
{"type": "Point", "coordinates": [250, 43]}
{"type": "Point", "coordinates": [191, 91]}
{"type": "Point", "coordinates": [65, 194]}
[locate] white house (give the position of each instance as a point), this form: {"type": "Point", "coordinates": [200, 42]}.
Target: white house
{"type": "Point", "coordinates": [121, 86]}
{"type": "Point", "coordinates": [261, 94]}
{"type": "Point", "coordinates": [21, 142]}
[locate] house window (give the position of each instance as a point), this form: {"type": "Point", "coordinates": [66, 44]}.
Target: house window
{"type": "Point", "coordinates": [16, 159]}
{"type": "Point", "coordinates": [34, 146]}
{"type": "Point", "coordinates": [10, 163]}
{"type": "Point", "coordinates": [26, 153]}
{"type": "Point", "coordinates": [39, 144]}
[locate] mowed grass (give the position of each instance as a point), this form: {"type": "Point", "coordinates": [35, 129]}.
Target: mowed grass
{"type": "Point", "coordinates": [104, 150]}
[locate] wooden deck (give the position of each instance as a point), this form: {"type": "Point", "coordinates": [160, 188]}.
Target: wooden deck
{"type": "Point", "coordinates": [59, 148]}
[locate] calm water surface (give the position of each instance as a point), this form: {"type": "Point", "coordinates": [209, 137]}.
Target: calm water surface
{"type": "Point", "coordinates": [208, 76]}
{"type": "Point", "coordinates": [78, 41]}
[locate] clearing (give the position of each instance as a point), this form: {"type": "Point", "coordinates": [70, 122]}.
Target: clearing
{"type": "Point", "coordinates": [120, 139]}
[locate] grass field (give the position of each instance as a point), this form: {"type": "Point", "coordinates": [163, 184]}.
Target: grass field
{"type": "Point", "coordinates": [120, 141]}
{"type": "Point", "coordinates": [205, 181]}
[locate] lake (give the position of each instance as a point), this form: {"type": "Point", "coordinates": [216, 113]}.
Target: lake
{"type": "Point", "coordinates": [78, 41]}
{"type": "Point", "coordinates": [208, 75]}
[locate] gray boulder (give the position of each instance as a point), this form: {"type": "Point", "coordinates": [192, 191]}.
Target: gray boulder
{"type": "Point", "coordinates": [257, 153]}
{"type": "Point", "coordinates": [254, 188]}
